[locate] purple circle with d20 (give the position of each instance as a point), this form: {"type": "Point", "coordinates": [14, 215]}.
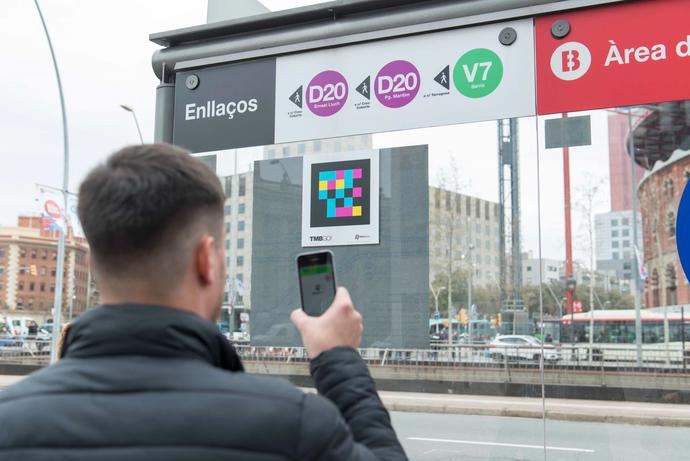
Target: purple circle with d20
{"type": "Point", "coordinates": [397, 84]}
{"type": "Point", "coordinates": [327, 93]}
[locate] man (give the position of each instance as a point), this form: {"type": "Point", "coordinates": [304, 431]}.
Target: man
{"type": "Point", "coordinates": [148, 376]}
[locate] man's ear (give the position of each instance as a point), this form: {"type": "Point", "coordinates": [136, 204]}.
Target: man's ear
{"type": "Point", "coordinates": [205, 258]}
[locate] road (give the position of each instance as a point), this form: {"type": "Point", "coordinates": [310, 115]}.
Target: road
{"type": "Point", "coordinates": [444, 437]}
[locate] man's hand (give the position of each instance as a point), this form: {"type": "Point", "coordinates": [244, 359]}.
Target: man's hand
{"type": "Point", "coordinates": [340, 325]}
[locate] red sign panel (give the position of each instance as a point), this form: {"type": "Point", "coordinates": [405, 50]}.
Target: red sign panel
{"type": "Point", "coordinates": [618, 55]}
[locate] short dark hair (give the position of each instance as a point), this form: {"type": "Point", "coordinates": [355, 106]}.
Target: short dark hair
{"type": "Point", "coordinates": [140, 208]}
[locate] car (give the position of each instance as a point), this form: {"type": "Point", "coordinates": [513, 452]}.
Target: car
{"type": "Point", "coordinates": [521, 347]}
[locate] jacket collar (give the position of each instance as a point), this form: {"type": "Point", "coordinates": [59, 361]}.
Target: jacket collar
{"type": "Point", "coordinates": [148, 330]}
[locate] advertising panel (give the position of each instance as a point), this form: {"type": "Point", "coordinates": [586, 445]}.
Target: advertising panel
{"type": "Point", "coordinates": [340, 199]}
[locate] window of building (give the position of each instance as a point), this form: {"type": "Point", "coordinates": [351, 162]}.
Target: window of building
{"type": "Point", "coordinates": [626, 232]}
{"type": "Point", "coordinates": [228, 186]}
{"type": "Point", "coordinates": [32, 286]}
{"type": "Point", "coordinates": [301, 148]}
{"type": "Point", "coordinates": [457, 205]}
{"type": "Point", "coordinates": [2, 252]}
{"type": "Point", "coordinates": [614, 233]}
{"type": "Point", "coordinates": [626, 222]}
{"type": "Point", "coordinates": [243, 187]}
{"type": "Point", "coordinates": [478, 211]}
{"type": "Point", "coordinates": [478, 228]}
{"type": "Point", "coordinates": [468, 206]}
{"type": "Point", "coordinates": [43, 270]}
{"type": "Point", "coordinates": [240, 225]}
{"type": "Point", "coordinates": [52, 288]}
{"type": "Point", "coordinates": [626, 244]}
{"type": "Point", "coordinates": [529, 268]}
{"type": "Point", "coordinates": [240, 244]}
{"type": "Point", "coordinates": [227, 227]}
{"type": "Point", "coordinates": [615, 255]}
{"type": "Point", "coordinates": [20, 285]}
{"type": "Point", "coordinates": [437, 199]}
{"type": "Point", "coordinates": [240, 277]}
{"type": "Point", "coordinates": [20, 302]}
{"type": "Point", "coordinates": [614, 245]}
{"type": "Point", "coordinates": [52, 272]}
{"type": "Point", "coordinates": [668, 187]}
{"type": "Point", "coordinates": [627, 266]}
{"type": "Point", "coordinates": [240, 208]}
{"type": "Point", "coordinates": [448, 201]}
{"type": "Point", "coordinates": [228, 209]}
{"type": "Point", "coordinates": [227, 244]}
{"type": "Point", "coordinates": [43, 287]}
{"type": "Point", "coordinates": [22, 253]}
{"type": "Point", "coordinates": [671, 224]}
{"type": "Point", "coordinates": [33, 253]}
{"type": "Point", "coordinates": [486, 211]}
{"type": "Point", "coordinates": [240, 261]}
{"type": "Point", "coordinates": [614, 222]}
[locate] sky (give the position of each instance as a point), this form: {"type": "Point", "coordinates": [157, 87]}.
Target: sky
{"type": "Point", "coordinates": [105, 60]}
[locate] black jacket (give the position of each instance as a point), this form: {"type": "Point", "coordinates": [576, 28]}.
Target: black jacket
{"type": "Point", "coordinates": [147, 383]}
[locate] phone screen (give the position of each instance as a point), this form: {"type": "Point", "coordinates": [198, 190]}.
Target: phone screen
{"type": "Point", "coordinates": [316, 281]}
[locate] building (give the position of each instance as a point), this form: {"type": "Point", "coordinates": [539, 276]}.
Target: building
{"type": "Point", "coordinates": [619, 163]}
{"type": "Point", "coordinates": [550, 270]}
{"type": "Point", "coordinates": [467, 228]}
{"type": "Point", "coordinates": [28, 262]}
{"type": "Point", "coordinates": [345, 144]}
{"type": "Point", "coordinates": [615, 249]}
{"type": "Point", "coordinates": [660, 193]}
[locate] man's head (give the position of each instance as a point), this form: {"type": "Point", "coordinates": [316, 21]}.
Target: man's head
{"type": "Point", "coordinates": [153, 216]}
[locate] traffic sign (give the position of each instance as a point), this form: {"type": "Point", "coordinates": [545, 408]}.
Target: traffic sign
{"type": "Point", "coordinates": [577, 307]}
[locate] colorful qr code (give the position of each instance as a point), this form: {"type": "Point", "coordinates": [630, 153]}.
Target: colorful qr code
{"type": "Point", "coordinates": [342, 191]}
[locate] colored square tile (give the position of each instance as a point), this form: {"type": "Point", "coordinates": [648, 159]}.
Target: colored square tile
{"type": "Point", "coordinates": [340, 193]}
{"type": "Point", "coordinates": [357, 192]}
{"type": "Point", "coordinates": [340, 174]}
{"type": "Point", "coordinates": [348, 183]}
{"type": "Point", "coordinates": [339, 183]}
{"type": "Point", "coordinates": [357, 173]}
{"type": "Point", "coordinates": [331, 184]}
{"type": "Point", "coordinates": [348, 174]}
{"type": "Point", "coordinates": [347, 202]}
{"type": "Point", "coordinates": [323, 185]}
{"type": "Point", "coordinates": [344, 212]}
{"type": "Point", "coordinates": [356, 211]}
{"type": "Point", "coordinates": [323, 195]}
{"type": "Point", "coordinates": [327, 176]}
{"type": "Point", "coordinates": [330, 209]}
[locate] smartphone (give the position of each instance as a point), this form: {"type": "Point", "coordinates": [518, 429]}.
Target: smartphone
{"type": "Point", "coordinates": [316, 281]}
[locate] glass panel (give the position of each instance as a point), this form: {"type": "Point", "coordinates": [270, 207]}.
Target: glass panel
{"type": "Point", "coordinates": [622, 313]}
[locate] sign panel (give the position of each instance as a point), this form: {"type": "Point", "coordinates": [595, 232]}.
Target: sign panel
{"type": "Point", "coordinates": [227, 106]}
{"type": "Point", "coordinates": [426, 80]}
{"type": "Point", "coordinates": [568, 132]}
{"type": "Point", "coordinates": [683, 231]}
{"type": "Point", "coordinates": [340, 199]}
{"type": "Point", "coordinates": [618, 55]}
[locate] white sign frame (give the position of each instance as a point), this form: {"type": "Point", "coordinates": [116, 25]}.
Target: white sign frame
{"type": "Point", "coordinates": [341, 235]}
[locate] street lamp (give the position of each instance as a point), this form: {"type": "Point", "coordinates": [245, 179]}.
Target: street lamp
{"type": "Point", "coordinates": [134, 114]}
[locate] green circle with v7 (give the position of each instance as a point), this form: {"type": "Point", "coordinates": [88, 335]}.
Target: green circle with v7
{"type": "Point", "coordinates": [478, 73]}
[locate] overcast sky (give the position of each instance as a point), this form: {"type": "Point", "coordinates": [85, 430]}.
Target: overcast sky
{"type": "Point", "coordinates": [105, 60]}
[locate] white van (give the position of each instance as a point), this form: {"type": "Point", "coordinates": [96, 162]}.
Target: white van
{"type": "Point", "coordinates": [19, 326]}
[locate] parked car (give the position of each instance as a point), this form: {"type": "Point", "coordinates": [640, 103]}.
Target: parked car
{"type": "Point", "coordinates": [521, 347]}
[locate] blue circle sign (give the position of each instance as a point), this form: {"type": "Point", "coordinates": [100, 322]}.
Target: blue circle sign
{"type": "Point", "coordinates": [683, 230]}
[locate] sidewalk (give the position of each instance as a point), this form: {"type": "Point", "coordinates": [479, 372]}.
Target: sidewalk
{"type": "Point", "coordinates": [650, 414]}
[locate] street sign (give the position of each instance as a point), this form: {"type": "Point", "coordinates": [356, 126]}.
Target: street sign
{"type": "Point", "coordinates": [616, 55]}
{"type": "Point", "coordinates": [568, 132]}
{"type": "Point", "coordinates": [437, 316]}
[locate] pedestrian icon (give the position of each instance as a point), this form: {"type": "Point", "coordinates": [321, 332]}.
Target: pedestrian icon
{"type": "Point", "coordinates": [364, 87]}
{"type": "Point", "coordinates": [442, 78]}
{"type": "Point", "coordinates": [296, 97]}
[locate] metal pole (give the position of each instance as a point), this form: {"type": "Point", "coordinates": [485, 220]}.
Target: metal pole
{"type": "Point", "coordinates": [450, 287]}
{"type": "Point", "coordinates": [57, 304]}
{"type": "Point", "coordinates": [136, 122]}
{"type": "Point", "coordinates": [568, 228]}
{"type": "Point", "coordinates": [469, 288]}
{"type": "Point", "coordinates": [682, 335]}
{"type": "Point", "coordinates": [636, 269]}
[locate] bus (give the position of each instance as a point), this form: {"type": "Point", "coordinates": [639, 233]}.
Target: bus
{"type": "Point", "coordinates": [665, 331]}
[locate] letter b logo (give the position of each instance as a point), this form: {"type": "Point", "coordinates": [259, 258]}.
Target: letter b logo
{"type": "Point", "coordinates": [571, 61]}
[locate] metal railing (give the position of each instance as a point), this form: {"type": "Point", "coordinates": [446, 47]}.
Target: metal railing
{"type": "Point", "coordinates": [22, 350]}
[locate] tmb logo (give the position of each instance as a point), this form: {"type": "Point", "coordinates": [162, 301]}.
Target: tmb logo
{"type": "Point", "coordinates": [321, 238]}
{"type": "Point", "coordinates": [571, 61]}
